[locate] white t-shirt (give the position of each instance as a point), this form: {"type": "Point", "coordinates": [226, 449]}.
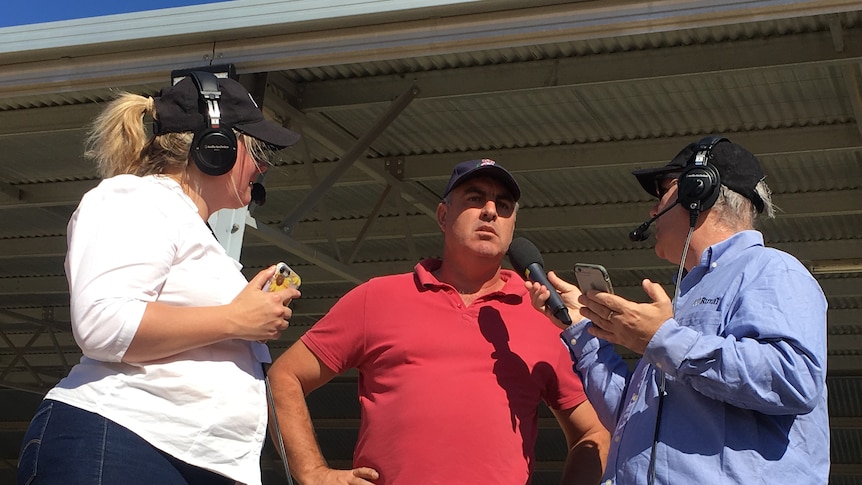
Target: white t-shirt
{"type": "Point", "coordinates": [134, 240]}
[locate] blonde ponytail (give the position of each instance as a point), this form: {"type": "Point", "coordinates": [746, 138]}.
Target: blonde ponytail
{"type": "Point", "coordinates": [120, 144]}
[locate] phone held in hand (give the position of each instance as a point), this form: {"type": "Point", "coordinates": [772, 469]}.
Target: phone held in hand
{"type": "Point", "coordinates": [284, 277]}
{"type": "Point", "coordinates": [593, 277]}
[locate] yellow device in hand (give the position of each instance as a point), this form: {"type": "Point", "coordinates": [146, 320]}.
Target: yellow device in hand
{"type": "Point", "coordinates": [284, 277]}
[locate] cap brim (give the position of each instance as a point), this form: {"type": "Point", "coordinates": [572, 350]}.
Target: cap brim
{"type": "Point", "coordinates": [647, 177]}
{"type": "Point", "coordinates": [270, 133]}
{"type": "Point", "coordinates": [497, 173]}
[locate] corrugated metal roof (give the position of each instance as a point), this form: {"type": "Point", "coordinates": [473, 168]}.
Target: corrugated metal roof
{"type": "Point", "coordinates": [570, 119]}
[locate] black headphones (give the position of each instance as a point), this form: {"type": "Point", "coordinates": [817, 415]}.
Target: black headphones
{"type": "Point", "coordinates": [213, 148]}
{"type": "Point", "coordinates": [698, 185]}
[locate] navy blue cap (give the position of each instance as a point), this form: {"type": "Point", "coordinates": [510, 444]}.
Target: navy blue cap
{"type": "Point", "coordinates": [484, 167]}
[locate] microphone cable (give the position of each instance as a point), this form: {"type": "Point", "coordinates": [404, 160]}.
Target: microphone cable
{"type": "Point", "coordinates": [662, 388]}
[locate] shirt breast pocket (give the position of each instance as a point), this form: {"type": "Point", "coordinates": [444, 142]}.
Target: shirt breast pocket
{"type": "Point", "coordinates": [707, 321]}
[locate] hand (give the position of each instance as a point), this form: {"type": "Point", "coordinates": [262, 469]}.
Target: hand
{"type": "Point", "coordinates": [539, 295]}
{"type": "Point", "coordinates": [625, 322]}
{"type": "Point", "coordinates": [258, 314]}
{"type": "Point", "coordinates": [329, 476]}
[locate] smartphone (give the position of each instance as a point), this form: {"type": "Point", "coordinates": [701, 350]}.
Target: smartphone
{"type": "Point", "coordinates": [593, 277]}
{"type": "Point", "coordinates": [284, 277]}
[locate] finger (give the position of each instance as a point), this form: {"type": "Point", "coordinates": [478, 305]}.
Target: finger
{"type": "Point", "coordinates": [538, 294]}
{"type": "Point", "coordinates": [655, 291]}
{"type": "Point", "coordinates": [599, 307]}
{"type": "Point", "coordinates": [288, 294]}
{"type": "Point", "coordinates": [560, 284]}
{"type": "Point", "coordinates": [599, 332]}
{"type": "Point", "coordinates": [542, 295]}
{"type": "Point", "coordinates": [599, 314]}
{"type": "Point", "coordinates": [602, 297]}
{"type": "Point", "coordinates": [366, 473]}
{"type": "Point", "coordinates": [588, 312]}
{"type": "Point", "coordinates": [606, 305]}
{"type": "Point", "coordinates": [261, 278]}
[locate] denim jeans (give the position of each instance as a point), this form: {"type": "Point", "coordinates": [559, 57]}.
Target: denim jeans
{"type": "Point", "coordinates": [67, 445]}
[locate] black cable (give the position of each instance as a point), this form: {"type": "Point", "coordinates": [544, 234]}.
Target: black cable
{"type": "Point", "coordinates": [662, 393]}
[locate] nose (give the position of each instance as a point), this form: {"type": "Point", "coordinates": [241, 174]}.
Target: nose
{"type": "Point", "coordinates": [655, 208]}
{"type": "Point", "coordinates": [489, 210]}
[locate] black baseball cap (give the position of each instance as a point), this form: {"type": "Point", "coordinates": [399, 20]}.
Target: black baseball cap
{"type": "Point", "coordinates": [738, 169]}
{"type": "Point", "coordinates": [484, 167]}
{"type": "Point", "coordinates": [178, 110]}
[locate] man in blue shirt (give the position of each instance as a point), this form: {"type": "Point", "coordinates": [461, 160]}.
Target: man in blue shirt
{"type": "Point", "coordinates": [731, 387]}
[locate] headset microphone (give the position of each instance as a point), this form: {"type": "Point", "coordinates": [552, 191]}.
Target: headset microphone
{"type": "Point", "coordinates": [258, 193]}
{"type": "Point", "coordinates": [642, 231]}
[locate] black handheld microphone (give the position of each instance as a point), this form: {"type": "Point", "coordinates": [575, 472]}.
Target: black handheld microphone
{"type": "Point", "coordinates": [258, 193]}
{"type": "Point", "coordinates": [527, 261]}
{"type": "Point", "coordinates": [642, 231]}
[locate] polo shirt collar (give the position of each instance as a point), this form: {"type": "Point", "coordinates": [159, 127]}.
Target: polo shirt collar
{"type": "Point", "coordinates": [424, 273]}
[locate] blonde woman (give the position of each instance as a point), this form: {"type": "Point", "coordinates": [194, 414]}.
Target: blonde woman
{"type": "Point", "coordinates": [170, 388]}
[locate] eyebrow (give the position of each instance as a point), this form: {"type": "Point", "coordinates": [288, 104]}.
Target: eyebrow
{"type": "Point", "coordinates": [474, 189]}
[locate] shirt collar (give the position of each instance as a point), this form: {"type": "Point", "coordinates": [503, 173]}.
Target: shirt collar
{"type": "Point", "coordinates": [175, 187]}
{"type": "Point", "coordinates": [730, 247]}
{"type": "Point", "coordinates": [424, 273]}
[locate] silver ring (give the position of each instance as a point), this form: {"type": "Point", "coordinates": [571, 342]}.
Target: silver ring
{"type": "Point", "coordinates": [611, 314]}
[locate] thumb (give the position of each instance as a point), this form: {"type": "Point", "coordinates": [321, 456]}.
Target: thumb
{"type": "Point", "coordinates": [655, 291]}
{"type": "Point", "coordinates": [560, 284]}
{"type": "Point", "coordinates": [262, 277]}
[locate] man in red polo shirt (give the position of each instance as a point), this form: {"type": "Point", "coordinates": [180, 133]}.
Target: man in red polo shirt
{"type": "Point", "coordinates": [453, 362]}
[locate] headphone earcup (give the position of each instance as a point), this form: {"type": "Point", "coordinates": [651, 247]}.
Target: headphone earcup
{"type": "Point", "coordinates": [214, 150]}
{"type": "Point", "coordinates": [698, 187]}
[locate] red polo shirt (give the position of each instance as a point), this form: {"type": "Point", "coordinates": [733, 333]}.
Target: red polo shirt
{"type": "Point", "coordinates": [449, 392]}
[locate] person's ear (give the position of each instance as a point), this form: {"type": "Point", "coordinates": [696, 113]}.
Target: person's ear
{"type": "Point", "coordinates": [442, 211]}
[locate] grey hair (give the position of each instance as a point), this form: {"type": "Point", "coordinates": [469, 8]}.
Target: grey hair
{"type": "Point", "coordinates": [736, 211]}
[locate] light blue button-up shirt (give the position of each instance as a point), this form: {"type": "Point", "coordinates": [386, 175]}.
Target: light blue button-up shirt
{"type": "Point", "coordinates": [744, 360]}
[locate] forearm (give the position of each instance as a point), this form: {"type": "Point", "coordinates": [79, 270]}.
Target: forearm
{"type": "Point", "coordinates": [586, 459]}
{"type": "Point", "coordinates": [588, 443]}
{"type": "Point", "coordinates": [765, 351]}
{"type": "Point", "coordinates": [789, 377]}
{"type": "Point", "coordinates": [602, 370]}
{"type": "Point", "coordinates": [167, 330]}
{"type": "Point", "coordinates": [294, 422]}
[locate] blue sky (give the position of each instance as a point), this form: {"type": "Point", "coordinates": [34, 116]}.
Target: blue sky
{"type": "Point", "coordinates": [37, 11]}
